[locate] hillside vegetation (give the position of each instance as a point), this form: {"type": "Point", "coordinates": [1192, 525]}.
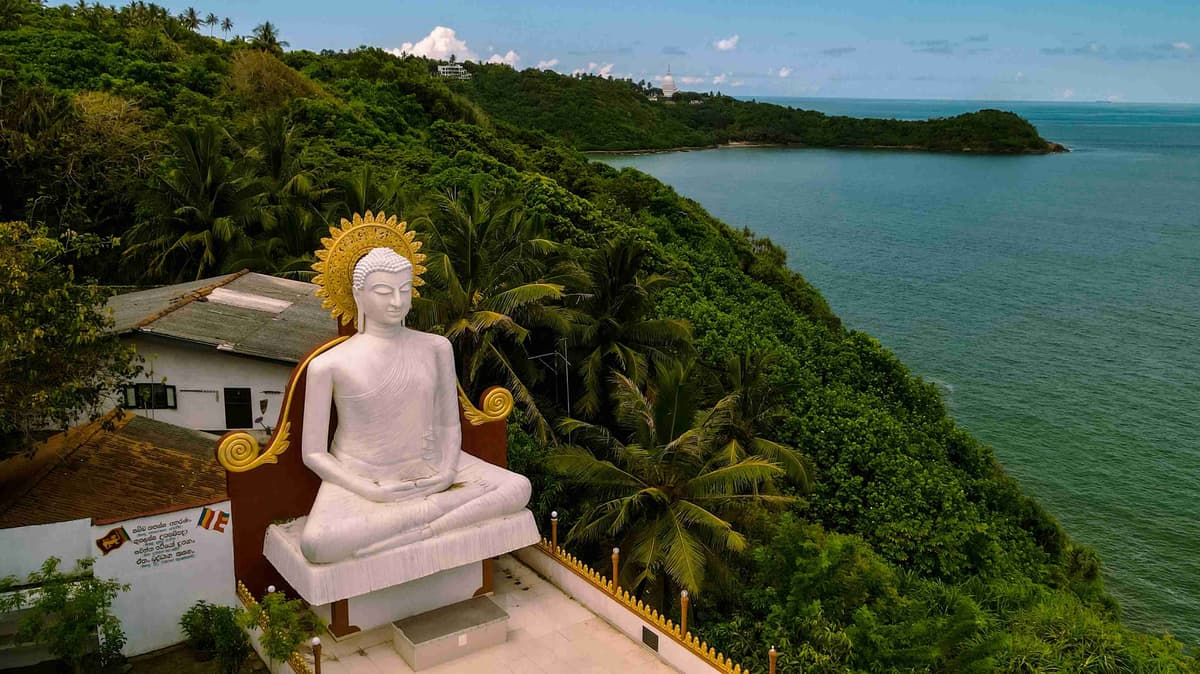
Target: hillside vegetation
{"type": "Point", "coordinates": [723, 427]}
{"type": "Point", "coordinates": [595, 113]}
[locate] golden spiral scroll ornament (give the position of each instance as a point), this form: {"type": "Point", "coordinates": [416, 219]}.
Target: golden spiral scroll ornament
{"type": "Point", "coordinates": [497, 405]}
{"type": "Point", "coordinates": [239, 452]}
{"type": "Point", "coordinates": [346, 245]}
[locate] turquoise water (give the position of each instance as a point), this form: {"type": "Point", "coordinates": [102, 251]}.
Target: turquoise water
{"type": "Point", "coordinates": [1055, 300]}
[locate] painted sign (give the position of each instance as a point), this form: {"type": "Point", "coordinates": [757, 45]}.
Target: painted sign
{"type": "Point", "coordinates": [163, 542]}
{"type": "Point", "coordinates": [112, 540]}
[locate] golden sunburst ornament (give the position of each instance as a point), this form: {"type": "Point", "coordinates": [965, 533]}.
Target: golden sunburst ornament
{"type": "Point", "coordinates": [346, 245]}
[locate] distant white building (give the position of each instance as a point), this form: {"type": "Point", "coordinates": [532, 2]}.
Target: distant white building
{"type": "Point", "coordinates": [454, 71]}
{"type": "Point", "coordinates": [668, 85]}
{"type": "Point", "coordinates": [219, 351]}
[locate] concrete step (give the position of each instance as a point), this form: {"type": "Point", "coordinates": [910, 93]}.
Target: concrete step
{"type": "Point", "coordinates": [450, 632]}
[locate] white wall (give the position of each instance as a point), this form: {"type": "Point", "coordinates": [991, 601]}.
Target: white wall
{"type": "Point", "coordinates": [200, 374]}
{"type": "Point", "coordinates": [194, 563]}
{"type": "Point", "coordinates": [169, 563]}
{"type": "Point", "coordinates": [24, 549]}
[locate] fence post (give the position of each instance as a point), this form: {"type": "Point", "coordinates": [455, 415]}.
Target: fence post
{"type": "Point", "coordinates": [774, 656]}
{"type": "Point", "coordinates": [683, 610]}
{"type": "Point", "coordinates": [616, 560]}
{"type": "Point", "coordinates": [554, 532]}
{"type": "Point", "coordinates": [316, 646]}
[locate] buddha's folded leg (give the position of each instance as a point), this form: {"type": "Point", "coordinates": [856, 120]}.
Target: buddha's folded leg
{"type": "Point", "coordinates": [464, 502]}
{"type": "Point", "coordinates": [342, 523]}
{"type": "Point", "coordinates": [506, 493]}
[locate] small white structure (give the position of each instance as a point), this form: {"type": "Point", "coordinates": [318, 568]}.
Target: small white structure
{"type": "Point", "coordinates": [146, 500]}
{"type": "Point", "coordinates": [453, 71]}
{"type": "Point", "coordinates": [668, 85]}
{"type": "Point", "coordinates": [219, 351]}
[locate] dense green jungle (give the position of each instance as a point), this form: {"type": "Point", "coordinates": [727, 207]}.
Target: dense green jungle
{"type": "Point", "coordinates": [716, 421]}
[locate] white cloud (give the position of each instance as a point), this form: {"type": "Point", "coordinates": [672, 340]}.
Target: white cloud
{"type": "Point", "coordinates": [736, 83]}
{"type": "Point", "coordinates": [785, 71]}
{"type": "Point", "coordinates": [1115, 98]}
{"type": "Point", "coordinates": [1019, 77]}
{"type": "Point", "coordinates": [1066, 94]}
{"type": "Point", "coordinates": [546, 65]}
{"type": "Point", "coordinates": [593, 68]}
{"type": "Point", "coordinates": [511, 59]}
{"type": "Point", "coordinates": [1182, 46]}
{"type": "Point", "coordinates": [728, 44]}
{"type": "Point", "coordinates": [720, 79]}
{"type": "Point", "coordinates": [441, 43]}
{"type": "Point", "coordinates": [686, 79]}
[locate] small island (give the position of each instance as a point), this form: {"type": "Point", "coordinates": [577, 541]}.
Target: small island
{"type": "Point", "coordinates": [596, 114]}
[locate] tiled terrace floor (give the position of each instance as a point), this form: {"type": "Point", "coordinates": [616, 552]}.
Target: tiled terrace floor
{"type": "Point", "coordinates": [548, 632]}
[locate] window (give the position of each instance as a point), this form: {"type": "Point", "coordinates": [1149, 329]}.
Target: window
{"type": "Point", "coordinates": [149, 397]}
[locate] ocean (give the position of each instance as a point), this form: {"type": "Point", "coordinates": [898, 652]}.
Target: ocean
{"type": "Point", "coordinates": [1054, 300]}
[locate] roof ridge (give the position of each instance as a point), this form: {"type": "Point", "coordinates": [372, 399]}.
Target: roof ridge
{"type": "Point", "coordinates": [189, 298]}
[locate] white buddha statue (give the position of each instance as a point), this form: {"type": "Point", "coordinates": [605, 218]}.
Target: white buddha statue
{"type": "Point", "coordinates": [394, 472]}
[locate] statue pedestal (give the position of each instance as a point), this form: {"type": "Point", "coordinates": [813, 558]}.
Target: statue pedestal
{"type": "Point", "coordinates": [394, 584]}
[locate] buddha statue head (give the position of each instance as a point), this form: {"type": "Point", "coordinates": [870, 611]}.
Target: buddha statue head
{"type": "Point", "coordinates": [382, 286]}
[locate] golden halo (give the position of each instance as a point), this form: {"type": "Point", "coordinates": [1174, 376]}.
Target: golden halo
{"type": "Point", "coordinates": [346, 245]}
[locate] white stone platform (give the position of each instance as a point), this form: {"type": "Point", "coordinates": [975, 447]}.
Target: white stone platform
{"type": "Point", "coordinates": [547, 632]}
{"type": "Point", "coordinates": [321, 584]}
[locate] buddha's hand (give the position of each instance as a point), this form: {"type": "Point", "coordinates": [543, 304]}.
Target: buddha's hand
{"type": "Point", "coordinates": [398, 490]}
{"type": "Point", "coordinates": [375, 491]}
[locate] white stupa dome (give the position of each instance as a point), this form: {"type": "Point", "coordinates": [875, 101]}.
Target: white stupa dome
{"type": "Point", "coordinates": [668, 85]}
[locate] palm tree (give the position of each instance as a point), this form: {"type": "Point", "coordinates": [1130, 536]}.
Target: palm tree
{"type": "Point", "coordinates": [211, 21]}
{"type": "Point", "coordinates": [290, 218]}
{"type": "Point", "coordinates": [190, 18]}
{"type": "Point", "coordinates": [753, 404]}
{"type": "Point", "coordinates": [661, 497]}
{"type": "Point", "coordinates": [201, 207]}
{"type": "Point", "coordinates": [226, 25]}
{"type": "Point", "coordinates": [488, 258]}
{"type": "Point", "coordinates": [612, 331]}
{"type": "Point", "coordinates": [266, 37]}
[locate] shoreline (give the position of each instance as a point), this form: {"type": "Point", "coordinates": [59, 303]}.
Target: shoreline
{"type": "Point", "coordinates": [1051, 148]}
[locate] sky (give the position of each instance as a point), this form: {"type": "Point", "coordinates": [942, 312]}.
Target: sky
{"type": "Point", "coordinates": [1048, 50]}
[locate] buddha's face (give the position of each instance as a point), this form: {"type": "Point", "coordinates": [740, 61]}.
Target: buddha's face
{"type": "Point", "coordinates": [385, 298]}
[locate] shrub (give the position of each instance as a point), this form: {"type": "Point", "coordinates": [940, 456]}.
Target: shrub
{"type": "Point", "coordinates": [287, 624]}
{"type": "Point", "coordinates": [197, 625]}
{"type": "Point", "coordinates": [66, 613]}
{"type": "Point", "coordinates": [230, 643]}
{"type": "Point", "coordinates": [215, 630]}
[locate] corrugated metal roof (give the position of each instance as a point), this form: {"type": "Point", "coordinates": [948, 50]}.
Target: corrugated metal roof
{"type": "Point", "coordinates": [245, 313]}
{"type": "Point", "coordinates": [139, 467]}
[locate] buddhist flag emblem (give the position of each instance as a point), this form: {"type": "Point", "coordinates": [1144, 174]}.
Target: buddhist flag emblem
{"type": "Point", "coordinates": [213, 519]}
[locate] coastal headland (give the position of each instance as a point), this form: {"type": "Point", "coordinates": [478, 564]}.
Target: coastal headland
{"type": "Point", "coordinates": [1051, 148]}
{"type": "Point", "coordinates": [596, 114]}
